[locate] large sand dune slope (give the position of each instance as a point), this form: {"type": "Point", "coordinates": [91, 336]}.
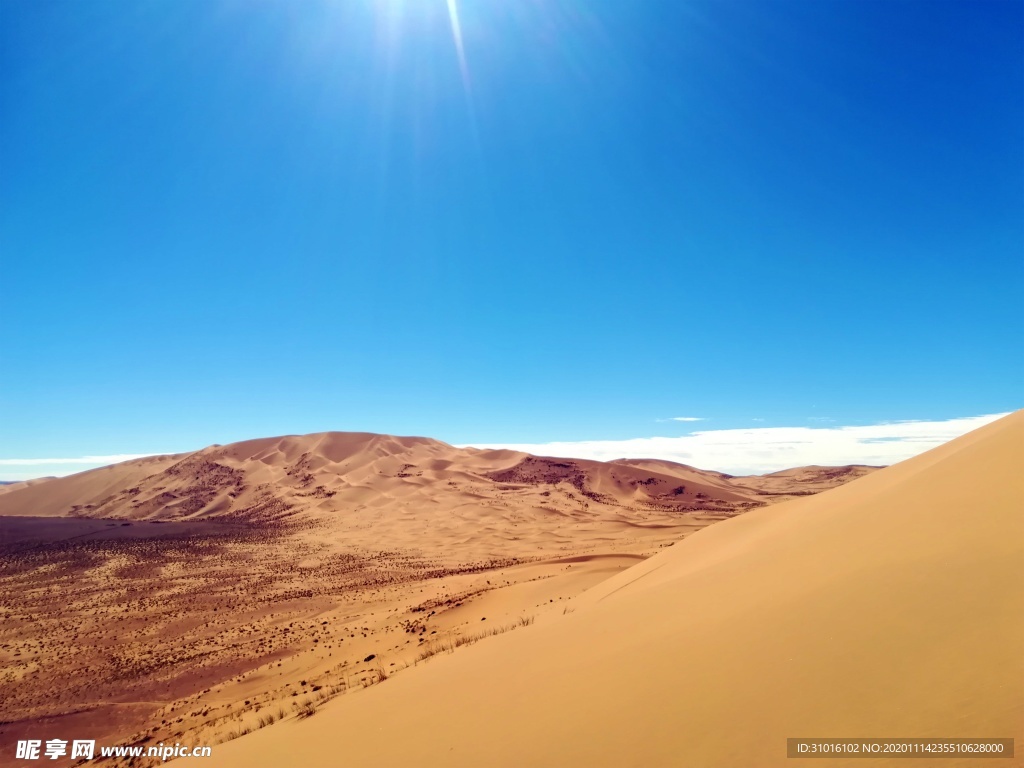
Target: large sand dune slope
{"type": "Point", "coordinates": [889, 607]}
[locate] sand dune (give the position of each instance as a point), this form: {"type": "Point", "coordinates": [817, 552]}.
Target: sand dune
{"type": "Point", "coordinates": [889, 607]}
{"type": "Point", "coordinates": [201, 591]}
{"type": "Point", "coordinates": [777, 486]}
{"type": "Point", "coordinates": [317, 475]}
{"type": "Point", "coordinates": [227, 480]}
{"type": "Point", "coordinates": [375, 488]}
{"type": "Point", "coordinates": [802, 481]}
{"type": "Point", "coordinates": [8, 486]}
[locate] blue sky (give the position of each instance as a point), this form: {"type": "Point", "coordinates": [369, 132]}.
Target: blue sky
{"type": "Point", "coordinates": [222, 220]}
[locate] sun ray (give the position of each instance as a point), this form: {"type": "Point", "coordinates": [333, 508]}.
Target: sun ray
{"type": "Point", "coordinates": [453, 17]}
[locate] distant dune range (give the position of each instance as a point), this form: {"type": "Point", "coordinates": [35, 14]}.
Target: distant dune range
{"type": "Point", "coordinates": [319, 476]}
{"type": "Point", "coordinates": [194, 597]}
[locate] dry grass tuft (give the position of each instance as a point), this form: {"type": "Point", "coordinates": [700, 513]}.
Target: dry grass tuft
{"type": "Point", "coordinates": [448, 645]}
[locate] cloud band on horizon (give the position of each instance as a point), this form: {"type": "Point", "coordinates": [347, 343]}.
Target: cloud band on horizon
{"type": "Point", "coordinates": [58, 467]}
{"type": "Point", "coordinates": [758, 450]}
{"type": "Point", "coordinates": [754, 450]}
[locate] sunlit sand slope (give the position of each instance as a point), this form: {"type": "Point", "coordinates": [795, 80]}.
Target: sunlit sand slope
{"type": "Point", "coordinates": [889, 607]}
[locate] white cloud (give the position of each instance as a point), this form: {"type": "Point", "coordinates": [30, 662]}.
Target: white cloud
{"type": "Point", "coordinates": [768, 449]}
{"type": "Point", "coordinates": [752, 450]}
{"type": "Point", "coordinates": [61, 467]}
{"type": "Point", "coordinates": [687, 418]}
{"type": "Point", "coordinates": [100, 460]}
